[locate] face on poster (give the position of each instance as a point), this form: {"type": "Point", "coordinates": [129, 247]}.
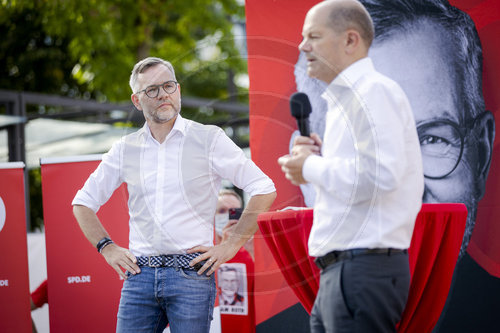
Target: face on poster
{"type": "Point", "coordinates": [232, 285]}
{"type": "Point", "coordinates": [446, 62]}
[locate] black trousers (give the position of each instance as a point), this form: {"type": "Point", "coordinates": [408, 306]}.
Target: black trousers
{"type": "Point", "coordinates": [366, 293]}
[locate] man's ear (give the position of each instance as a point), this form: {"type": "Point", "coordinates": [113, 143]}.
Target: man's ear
{"type": "Point", "coordinates": [135, 100]}
{"type": "Point", "coordinates": [484, 133]}
{"type": "Point", "coordinates": [352, 41]}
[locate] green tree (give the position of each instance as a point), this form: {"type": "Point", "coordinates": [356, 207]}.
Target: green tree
{"type": "Point", "coordinates": [30, 59]}
{"type": "Point", "coordinates": [89, 46]}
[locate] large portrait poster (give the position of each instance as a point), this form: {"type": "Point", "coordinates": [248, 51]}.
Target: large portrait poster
{"type": "Point", "coordinates": [446, 57]}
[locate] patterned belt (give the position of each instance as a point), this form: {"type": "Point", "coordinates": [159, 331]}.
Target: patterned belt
{"type": "Point", "coordinates": [170, 260]}
{"type": "Point", "coordinates": [335, 256]}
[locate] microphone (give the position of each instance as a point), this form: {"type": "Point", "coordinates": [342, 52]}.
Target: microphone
{"type": "Point", "coordinates": [300, 107]}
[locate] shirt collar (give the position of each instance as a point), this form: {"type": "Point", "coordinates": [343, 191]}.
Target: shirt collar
{"type": "Point", "coordinates": [179, 126]}
{"type": "Point", "coordinates": [349, 76]}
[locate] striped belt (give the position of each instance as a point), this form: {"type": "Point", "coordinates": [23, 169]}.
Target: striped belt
{"type": "Point", "coordinates": [335, 256]}
{"type": "Point", "coordinates": [169, 260]}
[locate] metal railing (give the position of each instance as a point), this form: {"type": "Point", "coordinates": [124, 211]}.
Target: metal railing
{"type": "Point", "coordinates": [15, 104]}
{"type": "Point", "coordinates": [72, 108]}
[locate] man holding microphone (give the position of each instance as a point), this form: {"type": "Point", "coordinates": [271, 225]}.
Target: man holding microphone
{"type": "Point", "coordinates": [367, 173]}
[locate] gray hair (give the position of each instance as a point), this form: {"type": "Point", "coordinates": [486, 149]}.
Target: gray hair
{"type": "Point", "coordinates": [393, 16]}
{"type": "Point", "coordinates": [143, 65]}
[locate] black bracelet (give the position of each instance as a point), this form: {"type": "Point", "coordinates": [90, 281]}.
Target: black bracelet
{"type": "Point", "coordinates": [102, 243]}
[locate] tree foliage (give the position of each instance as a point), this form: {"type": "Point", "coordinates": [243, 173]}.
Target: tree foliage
{"type": "Point", "coordinates": [87, 48]}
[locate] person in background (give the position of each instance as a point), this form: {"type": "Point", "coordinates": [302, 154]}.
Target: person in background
{"type": "Point", "coordinates": [228, 199]}
{"type": "Point", "coordinates": [38, 298]}
{"type": "Point", "coordinates": [224, 226]}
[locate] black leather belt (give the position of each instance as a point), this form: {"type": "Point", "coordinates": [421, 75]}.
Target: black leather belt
{"type": "Point", "coordinates": [335, 256]}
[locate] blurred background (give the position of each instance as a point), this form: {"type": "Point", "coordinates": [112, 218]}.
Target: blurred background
{"type": "Point", "coordinates": [65, 67]}
{"type": "Point", "coordinates": [64, 72]}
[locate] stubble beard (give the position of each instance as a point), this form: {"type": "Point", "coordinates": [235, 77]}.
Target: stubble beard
{"type": "Point", "coordinates": [158, 118]}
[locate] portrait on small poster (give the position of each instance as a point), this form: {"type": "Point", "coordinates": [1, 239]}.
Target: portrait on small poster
{"type": "Point", "coordinates": [232, 289]}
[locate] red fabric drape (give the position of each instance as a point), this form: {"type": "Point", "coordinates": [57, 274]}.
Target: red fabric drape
{"type": "Point", "coordinates": [433, 253]}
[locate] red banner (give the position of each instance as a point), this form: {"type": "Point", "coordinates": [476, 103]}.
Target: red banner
{"type": "Point", "coordinates": [14, 279]}
{"type": "Point", "coordinates": [84, 290]}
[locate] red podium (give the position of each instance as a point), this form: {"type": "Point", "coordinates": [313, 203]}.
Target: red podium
{"type": "Point", "coordinates": [433, 253]}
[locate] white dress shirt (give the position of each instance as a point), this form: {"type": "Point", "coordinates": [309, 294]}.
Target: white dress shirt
{"type": "Point", "coordinates": [164, 195]}
{"type": "Point", "coordinates": [369, 178]}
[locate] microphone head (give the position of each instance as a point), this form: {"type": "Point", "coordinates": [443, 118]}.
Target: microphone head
{"type": "Point", "coordinates": [300, 107]}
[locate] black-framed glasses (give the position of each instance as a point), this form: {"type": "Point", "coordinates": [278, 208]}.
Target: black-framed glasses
{"type": "Point", "coordinates": [442, 145]}
{"type": "Point", "coordinates": [152, 91]}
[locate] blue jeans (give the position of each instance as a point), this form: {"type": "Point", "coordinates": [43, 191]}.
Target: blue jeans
{"type": "Point", "coordinates": [165, 295]}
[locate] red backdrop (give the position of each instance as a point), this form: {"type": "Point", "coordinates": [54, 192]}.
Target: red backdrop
{"type": "Point", "coordinates": [273, 33]}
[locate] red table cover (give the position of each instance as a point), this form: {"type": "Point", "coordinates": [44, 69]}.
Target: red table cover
{"type": "Point", "coordinates": [433, 253]}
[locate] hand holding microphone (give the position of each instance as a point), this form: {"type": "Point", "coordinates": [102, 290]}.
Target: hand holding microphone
{"type": "Point", "coordinates": [300, 107]}
{"type": "Point", "coordinates": [304, 145]}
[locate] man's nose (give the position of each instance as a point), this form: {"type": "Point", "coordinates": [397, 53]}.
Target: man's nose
{"type": "Point", "coordinates": [162, 94]}
{"type": "Point", "coordinates": [304, 46]}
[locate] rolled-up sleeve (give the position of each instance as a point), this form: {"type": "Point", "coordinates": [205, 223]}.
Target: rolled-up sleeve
{"type": "Point", "coordinates": [103, 181]}
{"type": "Point", "coordinates": [230, 162]}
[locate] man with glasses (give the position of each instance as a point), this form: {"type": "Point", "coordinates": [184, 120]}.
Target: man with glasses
{"type": "Point", "coordinates": [173, 169]}
{"type": "Point", "coordinates": [433, 51]}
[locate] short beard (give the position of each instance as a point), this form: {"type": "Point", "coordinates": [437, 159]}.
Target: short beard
{"type": "Point", "coordinates": [158, 120]}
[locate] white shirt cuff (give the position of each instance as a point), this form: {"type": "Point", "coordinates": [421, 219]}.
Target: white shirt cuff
{"type": "Point", "coordinates": [313, 169]}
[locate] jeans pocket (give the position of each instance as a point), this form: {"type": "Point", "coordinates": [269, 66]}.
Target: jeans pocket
{"type": "Point", "coordinates": [129, 275]}
{"type": "Point", "coordinates": [193, 275]}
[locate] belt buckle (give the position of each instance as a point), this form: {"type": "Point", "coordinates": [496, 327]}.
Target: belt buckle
{"type": "Point", "coordinates": [318, 262]}
{"type": "Point", "coordinates": [150, 264]}
{"type": "Point", "coordinates": [321, 262]}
